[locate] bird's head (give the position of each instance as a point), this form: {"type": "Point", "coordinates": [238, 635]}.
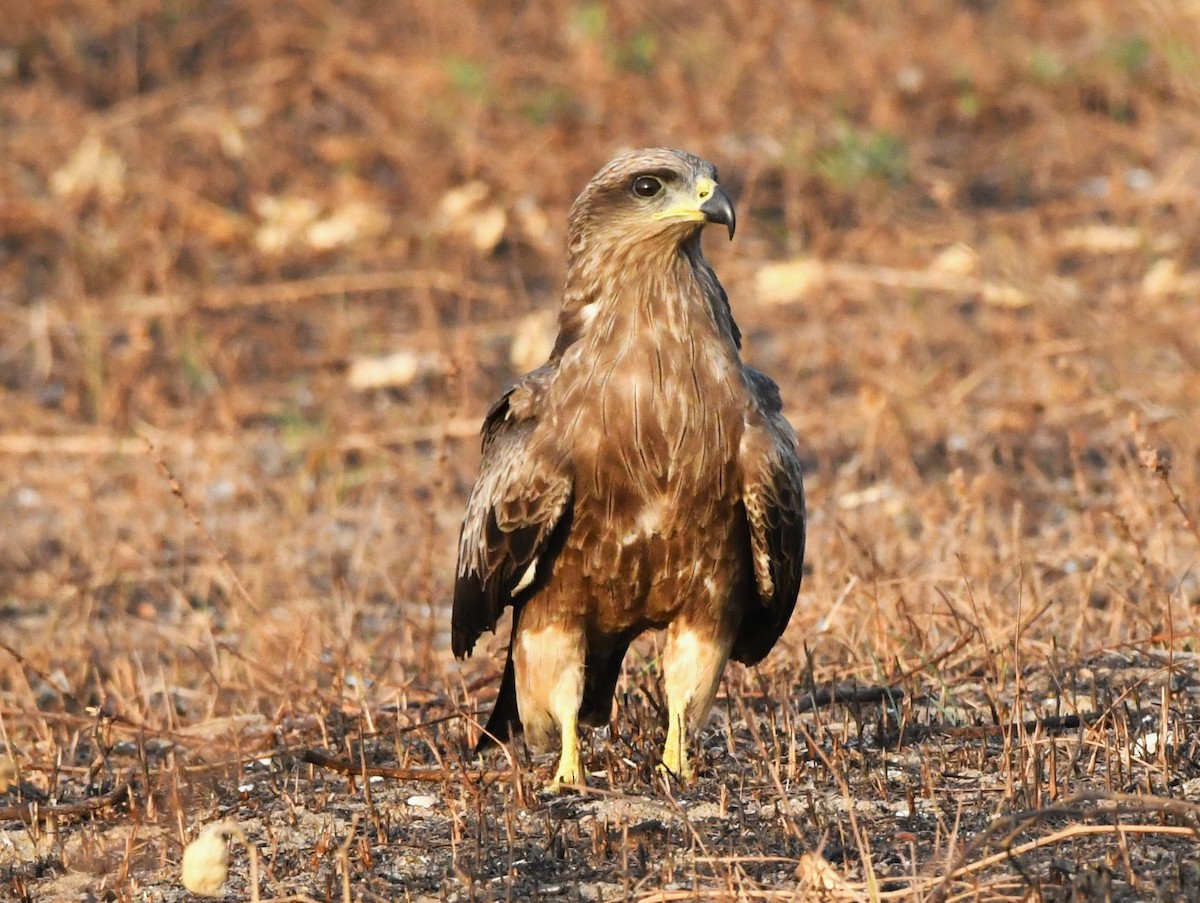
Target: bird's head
{"type": "Point", "coordinates": [656, 196]}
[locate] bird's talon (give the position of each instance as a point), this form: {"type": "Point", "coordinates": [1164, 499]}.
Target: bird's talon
{"type": "Point", "coordinates": [682, 775]}
{"type": "Point", "coordinates": [563, 783]}
{"type": "Point", "coordinates": [568, 773]}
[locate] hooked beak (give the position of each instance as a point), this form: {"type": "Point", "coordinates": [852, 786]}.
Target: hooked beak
{"type": "Point", "coordinates": [709, 204]}
{"type": "Point", "coordinates": [716, 206]}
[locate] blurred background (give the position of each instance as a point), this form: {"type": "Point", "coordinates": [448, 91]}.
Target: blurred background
{"type": "Point", "coordinates": [264, 264]}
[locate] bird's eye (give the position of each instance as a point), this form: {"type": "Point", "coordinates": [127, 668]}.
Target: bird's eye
{"type": "Point", "coordinates": [646, 186]}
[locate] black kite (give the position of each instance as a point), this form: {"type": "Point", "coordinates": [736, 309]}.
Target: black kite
{"type": "Point", "coordinates": [644, 477]}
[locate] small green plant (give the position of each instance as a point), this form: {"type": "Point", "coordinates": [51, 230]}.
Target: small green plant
{"type": "Point", "coordinates": [858, 156]}
{"type": "Point", "coordinates": [546, 103]}
{"type": "Point", "coordinates": [1130, 53]}
{"type": "Point", "coordinates": [1047, 67]}
{"type": "Point", "coordinates": [637, 52]}
{"type": "Point", "coordinates": [1182, 56]}
{"type": "Point", "coordinates": [469, 77]}
{"type": "Point", "coordinates": [302, 435]}
{"type": "Point", "coordinates": [591, 21]}
{"type": "Point", "coordinates": [193, 362]}
{"type": "Point", "coordinates": [966, 99]}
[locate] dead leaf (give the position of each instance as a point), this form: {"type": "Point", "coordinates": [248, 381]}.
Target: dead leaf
{"type": "Point", "coordinates": [782, 283]}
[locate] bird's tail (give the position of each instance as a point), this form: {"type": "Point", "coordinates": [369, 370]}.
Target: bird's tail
{"type": "Point", "coordinates": [505, 720]}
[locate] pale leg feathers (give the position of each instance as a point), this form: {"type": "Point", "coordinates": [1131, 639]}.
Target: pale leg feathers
{"type": "Point", "coordinates": [549, 665]}
{"type": "Point", "coordinates": [693, 661]}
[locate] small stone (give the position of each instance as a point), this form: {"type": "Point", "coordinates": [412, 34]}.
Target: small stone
{"type": "Point", "coordinates": [206, 864]}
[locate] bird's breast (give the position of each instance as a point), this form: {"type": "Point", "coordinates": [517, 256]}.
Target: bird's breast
{"type": "Point", "coordinates": [653, 430]}
{"type": "Point", "coordinates": [659, 418]}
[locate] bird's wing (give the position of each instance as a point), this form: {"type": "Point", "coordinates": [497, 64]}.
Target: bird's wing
{"type": "Point", "coordinates": [773, 496]}
{"type": "Point", "coordinates": [518, 510]}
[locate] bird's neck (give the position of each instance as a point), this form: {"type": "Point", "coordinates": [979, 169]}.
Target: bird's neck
{"type": "Point", "coordinates": [612, 293]}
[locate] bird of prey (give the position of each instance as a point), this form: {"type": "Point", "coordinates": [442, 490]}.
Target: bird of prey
{"type": "Point", "coordinates": [643, 478]}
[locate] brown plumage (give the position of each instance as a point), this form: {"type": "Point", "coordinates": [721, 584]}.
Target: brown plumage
{"type": "Point", "coordinates": [642, 478]}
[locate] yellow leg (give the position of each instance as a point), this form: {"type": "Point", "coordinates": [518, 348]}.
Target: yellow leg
{"type": "Point", "coordinates": [693, 660]}
{"type": "Point", "coordinates": [675, 753]}
{"type": "Point", "coordinates": [570, 764]}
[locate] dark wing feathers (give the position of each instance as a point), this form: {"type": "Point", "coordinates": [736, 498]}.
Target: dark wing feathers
{"type": "Point", "coordinates": [516, 507]}
{"type": "Point", "coordinates": [773, 496]}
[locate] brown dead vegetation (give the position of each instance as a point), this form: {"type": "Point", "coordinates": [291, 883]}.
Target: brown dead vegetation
{"type": "Point", "coordinates": [262, 267]}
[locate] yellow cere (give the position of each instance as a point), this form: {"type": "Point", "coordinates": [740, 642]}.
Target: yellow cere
{"type": "Point", "coordinates": [690, 208]}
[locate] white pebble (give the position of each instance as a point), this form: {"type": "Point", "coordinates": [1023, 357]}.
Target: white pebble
{"type": "Point", "coordinates": [206, 864]}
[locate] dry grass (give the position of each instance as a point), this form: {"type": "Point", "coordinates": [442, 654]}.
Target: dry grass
{"type": "Point", "coordinates": [224, 557]}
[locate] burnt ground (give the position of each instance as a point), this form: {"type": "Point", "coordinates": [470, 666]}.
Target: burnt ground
{"type": "Point", "coordinates": [264, 265]}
